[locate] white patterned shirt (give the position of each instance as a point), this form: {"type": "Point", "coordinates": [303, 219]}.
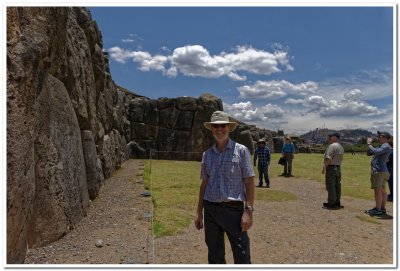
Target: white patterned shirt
{"type": "Point", "coordinates": [225, 172]}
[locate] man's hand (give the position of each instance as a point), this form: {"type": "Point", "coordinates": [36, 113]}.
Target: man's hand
{"type": "Point", "coordinates": [198, 223]}
{"type": "Point", "coordinates": [247, 220]}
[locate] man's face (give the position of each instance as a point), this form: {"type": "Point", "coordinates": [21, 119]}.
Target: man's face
{"type": "Point", "coordinates": [220, 131]}
{"type": "Point", "coordinates": [261, 145]}
{"type": "Point", "coordinates": [331, 139]}
{"type": "Point", "coordinates": [382, 139]}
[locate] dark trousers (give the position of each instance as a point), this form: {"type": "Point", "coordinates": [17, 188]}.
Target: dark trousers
{"type": "Point", "coordinates": [390, 183]}
{"type": "Point", "coordinates": [287, 167]}
{"type": "Point", "coordinates": [263, 171]}
{"type": "Point", "coordinates": [333, 184]}
{"type": "Point", "coordinates": [220, 218]}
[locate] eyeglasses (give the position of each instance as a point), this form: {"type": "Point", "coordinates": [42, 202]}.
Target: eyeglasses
{"type": "Point", "coordinates": [219, 125]}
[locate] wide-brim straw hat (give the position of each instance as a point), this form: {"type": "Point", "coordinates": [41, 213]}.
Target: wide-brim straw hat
{"type": "Point", "coordinates": [261, 140]}
{"type": "Point", "coordinates": [220, 117]}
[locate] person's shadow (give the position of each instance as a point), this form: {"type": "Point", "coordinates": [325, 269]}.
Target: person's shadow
{"type": "Point", "coordinates": [384, 216]}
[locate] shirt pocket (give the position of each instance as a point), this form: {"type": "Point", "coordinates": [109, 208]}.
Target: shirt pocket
{"type": "Point", "coordinates": [235, 168]}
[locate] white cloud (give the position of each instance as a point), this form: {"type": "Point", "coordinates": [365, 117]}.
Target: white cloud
{"type": "Point", "coordinates": [195, 60]}
{"type": "Point", "coordinates": [375, 84]}
{"type": "Point", "coordinates": [120, 55]}
{"type": "Point", "coordinates": [351, 105]}
{"type": "Point", "coordinates": [386, 126]}
{"type": "Point", "coordinates": [127, 40]}
{"type": "Point", "coordinates": [276, 89]}
{"type": "Point", "coordinates": [353, 95]}
{"type": "Point", "coordinates": [146, 61]}
{"type": "Point", "coordinates": [246, 112]}
{"type": "Point", "coordinates": [165, 49]}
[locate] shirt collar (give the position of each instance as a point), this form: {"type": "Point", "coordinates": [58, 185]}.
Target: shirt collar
{"type": "Point", "coordinates": [230, 145]}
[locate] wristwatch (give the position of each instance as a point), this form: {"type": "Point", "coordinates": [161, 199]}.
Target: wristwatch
{"type": "Point", "coordinates": [249, 208]}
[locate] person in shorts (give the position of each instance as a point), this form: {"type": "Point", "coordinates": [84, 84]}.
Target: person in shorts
{"type": "Point", "coordinates": [379, 172]}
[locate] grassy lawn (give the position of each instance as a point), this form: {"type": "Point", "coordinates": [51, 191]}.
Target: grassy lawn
{"type": "Point", "coordinates": [355, 172]}
{"type": "Point", "coordinates": [175, 186]}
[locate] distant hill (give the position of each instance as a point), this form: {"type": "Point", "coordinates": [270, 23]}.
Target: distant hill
{"type": "Point", "coordinates": [350, 136]}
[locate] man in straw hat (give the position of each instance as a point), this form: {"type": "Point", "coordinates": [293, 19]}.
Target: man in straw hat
{"type": "Point", "coordinates": [226, 193]}
{"type": "Point", "coordinates": [263, 154]}
{"type": "Point", "coordinates": [288, 153]}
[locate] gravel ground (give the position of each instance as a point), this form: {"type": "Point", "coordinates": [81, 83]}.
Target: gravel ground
{"type": "Point", "coordinates": [117, 230]}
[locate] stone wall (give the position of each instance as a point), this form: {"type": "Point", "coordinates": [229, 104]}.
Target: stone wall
{"type": "Point", "coordinates": [69, 126]}
{"type": "Point", "coordinates": [62, 137]}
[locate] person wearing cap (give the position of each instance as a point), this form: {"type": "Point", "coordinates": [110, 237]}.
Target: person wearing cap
{"type": "Point", "coordinates": [332, 160]}
{"type": "Point", "coordinates": [379, 172]}
{"type": "Point", "coordinates": [288, 153]}
{"type": "Point", "coordinates": [226, 193]}
{"type": "Point", "coordinates": [263, 154]}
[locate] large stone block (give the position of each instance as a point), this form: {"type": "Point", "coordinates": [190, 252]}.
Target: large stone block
{"type": "Point", "coordinates": [80, 81]}
{"type": "Point", "coordinates": [95, 176]}
{"type": "Point", "coordinates": [184, 121]}
{"type": "Point", "coordinates": [150, 112]}
{"type": "Point", "coordinates": [173, 144]}
{"type": "Point", "coordinates": [136, 109]}
{"type": "Point", "coordinates": [107, 154]}
{"type": "Point", "coordinates": [163, 103]}
{"type": "Point", "coordinates": [23, 56]}
{"type": "Point", "coordinates": [186, 103]}
{"type": "Point", "coordinates": [35, 46]}
{"type": "Point", "coordinates": [168, 117]}
{"type": "Point", "coordinates": [61, 193]}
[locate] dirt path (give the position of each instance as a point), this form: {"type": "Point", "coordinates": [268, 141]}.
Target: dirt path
{"type": "Point", "coordinates": [291, 232]}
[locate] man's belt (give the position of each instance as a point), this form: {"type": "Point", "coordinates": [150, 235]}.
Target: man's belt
{"type": "Point", "coordinates": [228, 203]}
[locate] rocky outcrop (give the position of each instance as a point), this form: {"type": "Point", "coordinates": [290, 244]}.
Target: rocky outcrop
{"type": "Point", "coordinates": [61, 193]}
{"type": "Point", "coordinates": [60, 105]}
{"type": "Point", "coordinates": [69, 126]}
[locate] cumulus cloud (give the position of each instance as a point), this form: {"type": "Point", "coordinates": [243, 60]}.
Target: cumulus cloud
{"type": "Point", "coordinates": [245, 111]}
{"type": "Point", "coordinates": [353, 95]}
{"type": "Point", "coordinates": [146, 61]}
{"type": "Point", "coordinates": [386, 126]}
{"type": "Point", "coordinates": [351, 105]}
{"type": "Point", "coordinates": [195, 60]}
{"type": "Point", "coordinates": [276, 89]}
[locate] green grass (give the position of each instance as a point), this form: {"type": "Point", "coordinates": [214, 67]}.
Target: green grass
{"type": "Point", "coordinates": [355, 172]}
{"type": "Point", "coordinates": [175, 186]}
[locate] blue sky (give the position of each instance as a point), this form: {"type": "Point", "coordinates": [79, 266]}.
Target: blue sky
{"type": "Point", "coordinates": [290, 68]}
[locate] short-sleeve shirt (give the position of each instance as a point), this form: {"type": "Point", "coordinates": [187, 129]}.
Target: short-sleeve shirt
{"type": "Point", "coordinates": [334, 152]}
{"type": "Point", "coordinates": [225, 172]}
